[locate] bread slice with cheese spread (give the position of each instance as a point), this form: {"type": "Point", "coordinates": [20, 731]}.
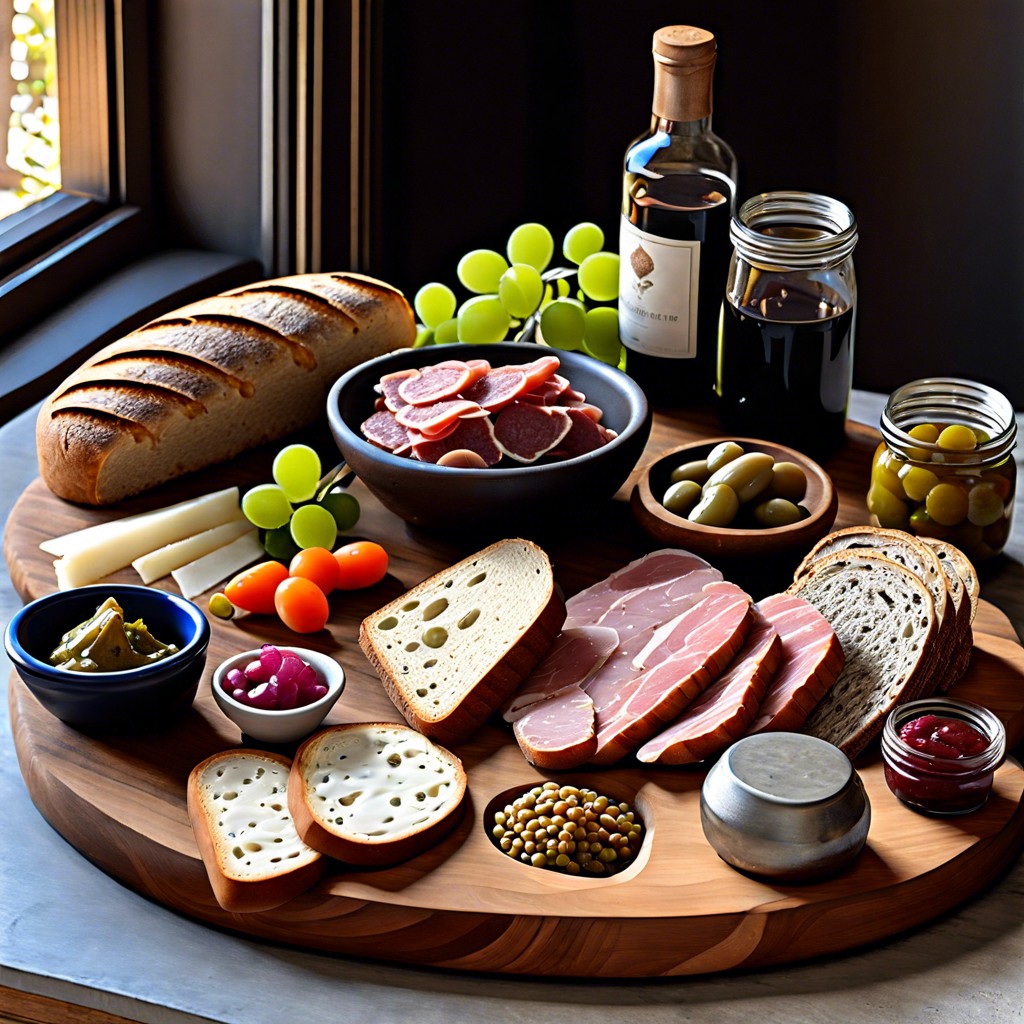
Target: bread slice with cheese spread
{"type": "Point", "coordinates": [452, 650]}
{"type": "Point", "coordinates": [374, 793]}
{"type": "Point", "coordinates": [238, 806]}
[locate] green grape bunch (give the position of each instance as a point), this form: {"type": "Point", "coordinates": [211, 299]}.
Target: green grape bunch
{"type": "Point", "coordinates": [519, 296]}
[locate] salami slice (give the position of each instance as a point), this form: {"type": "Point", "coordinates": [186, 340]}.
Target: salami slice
{"type": "Point", "coordinates": [498, 387]}
{"type": "Point", "coordinates": [540, 370]}
{"type": "Point", "coordinates": [585, 435]}
{"type": "Point", "coordinates": [389, 385]}
{"type": "Point", "coordinates": [384, 430]}
{"type": "Point", "coordinates": [473, 433]}
{"type": "Point", "coordinates": [437, 383]}
{"type": "Point", "coordinates": [548, 392]}
{"type": "Point", "coordinates": [434, 420]}
{"type": "Point", "coordinates": [525, 432]}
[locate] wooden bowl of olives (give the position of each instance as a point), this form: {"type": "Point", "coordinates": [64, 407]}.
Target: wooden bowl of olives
{"type": "Point", "coordinates": [735, 499]}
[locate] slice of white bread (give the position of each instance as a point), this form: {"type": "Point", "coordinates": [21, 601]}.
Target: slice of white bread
{"type": "Point", "coordinates": [374, 793]}
{"type": "Point", "coordinates": [238, 806]}
{"type": "Point", "coordinates": [452, 650]}
{"type": "Point", "coordinates": [884, 617]}
{"type": "Point", "coordinates": [964, 567]}
{"type": "Point", "coordinates": [919, 558]}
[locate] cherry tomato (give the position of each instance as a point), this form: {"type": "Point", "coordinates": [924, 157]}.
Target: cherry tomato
{"type": "Point", "coordinates": [253, 589]}
{"type": "Point", "coordinates": [318, 565]}
{"type": "Point", "coordinates": [362, 564]}
{"type": "Point", "coordinates": [301, 604]}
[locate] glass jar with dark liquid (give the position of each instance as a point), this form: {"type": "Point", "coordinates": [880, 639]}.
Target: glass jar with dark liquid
{"type": "Point", "coordinates": [785, 357]}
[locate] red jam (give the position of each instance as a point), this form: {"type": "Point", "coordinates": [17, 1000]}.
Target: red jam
{"type": "Point", "coordinates": [941, 755]}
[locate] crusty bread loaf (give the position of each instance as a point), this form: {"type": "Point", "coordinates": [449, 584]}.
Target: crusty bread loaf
{"type": "Point", "coordinates": [212, 379]}
{"type": "Point", "coordinates": [884, 617]}
{"type": "Point", "coordinates": [374, 793]}
{"type": "Point", "coordinates": [238, 806]}
{"type": "Point", "coordinates": [452, 650]}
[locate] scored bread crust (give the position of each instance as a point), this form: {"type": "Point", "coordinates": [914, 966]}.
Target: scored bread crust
{"type": "Point", "coordinates": [317, 759]}
{"type": "Point", "coordinates": [236, 890]}
{"type": "Point", "coordinates": [884, 617]}
{"type": "Point", "coordinates": [212, 379]}
{"type": "Point", "coordinates": [447, 692]}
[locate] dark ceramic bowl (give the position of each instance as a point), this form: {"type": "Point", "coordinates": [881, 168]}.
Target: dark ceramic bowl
{"type": "Point", "coordinates": [442, 497]}
{"type": "Point", "coordinates": [129, 700]}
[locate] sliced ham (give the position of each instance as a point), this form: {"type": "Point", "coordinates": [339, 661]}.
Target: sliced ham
{"type": "Point", "coordinates": [547, 392]}
{"type": "Point", "coordinates": [540, 370]}
{"type": "Point", "coordinates": [498, 387]}
{"type": "Point", "coordinates": [525, 432]}
{"type": "Point", "coordinates": [435, 420]}
{"type": "Point", "coordinates": [384, 430]}
{"type": "Point", "coordinates": [436, 383]}
{"type": "Point", "coordinates": [724, 711]}
{"type": "Point", "coordinates": [558, 733]}
{"type": "Point", "coordinates": [470, 433]}
{"type": "Point", "coordinates": [389, 385]}
{"type": "Point", "coordinates": [586, 434]}
{"type": "Point", "coordinates": [702, 641]}
{"type": "Point", "coordinates": [812, 658]}
{"type": "Point", "coordinates": [574, 656]}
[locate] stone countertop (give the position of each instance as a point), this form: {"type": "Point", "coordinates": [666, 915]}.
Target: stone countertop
{"type": "Point", "coordinates": [69, 932]}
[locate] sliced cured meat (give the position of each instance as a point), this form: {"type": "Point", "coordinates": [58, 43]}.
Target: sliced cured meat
{"type": "Point", "coordinates": [702, 642]}
{"type": "Point", "coordinates": [525, 432]}
{"type": "Point", "coordinates": [812, 659]}
{"type": "Point", "coordinates": [574, 656]}
{"type": "Point", "coordinates": [384, 430]}
{"type": "Point", "coordinates": [389, 385]}
{"type": "Point", "coordinates": [496, 388]}
{"type": "Point", "coordinates": [471, 433]}
{"type": "Point", "coordinates": [437, 383]}
{"type": "Point", "coordinates": [433, 420]}
{"type": "Point", "coordinates": [478, 367]}
{"type": "Point", "coordinates": [724, 711]}
{"type": "Point", "coordinates": [547, 392]}
{"type": "Point", "coordinates": [592, 411]}
{"type": "Point", "coordinates": [558, 733]}
{"type": "Point", "coordinates": [540, 370]}
{"type": "Point", "coordinates": [586, 434]}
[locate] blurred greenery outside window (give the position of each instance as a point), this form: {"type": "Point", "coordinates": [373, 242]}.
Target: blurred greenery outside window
{"type": "Point", "coordinates": [28, 82]}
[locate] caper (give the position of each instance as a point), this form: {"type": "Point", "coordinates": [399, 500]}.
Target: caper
{"type": "Point", "coordinates": [777, 512]}
{"type": "Point", "coordinates": [717, 507]}
{"type": "Point", "coordinates": [722, 454]}
{"type": "Point", "coordinates": [697, 471]}
{"type": "Point", "coordinates": [682, 496]}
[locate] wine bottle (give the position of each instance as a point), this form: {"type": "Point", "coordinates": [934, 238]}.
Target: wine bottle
{"type": "Point", "coordinates": [678, 196]}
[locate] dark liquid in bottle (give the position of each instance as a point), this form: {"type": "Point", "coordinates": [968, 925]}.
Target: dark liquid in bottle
{"type": "Point", "coordinates": [691, 207]}
{"type": "Point", "coordinates": [784, 371]}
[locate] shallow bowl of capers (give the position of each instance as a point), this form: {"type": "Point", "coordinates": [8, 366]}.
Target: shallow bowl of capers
{"type": "Point", "coordinates": [735, 497]}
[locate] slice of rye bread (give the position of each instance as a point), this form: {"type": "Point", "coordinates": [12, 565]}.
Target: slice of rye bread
{"type": "Point", "coordinates": [374, 793]}
{"type": "Point", "coordinates": [452, 650]}
{"type": "Point", "coordinates": [919, 558]}
{"type": "Point", "coordinates": [884, 617]}
{"type": "Point", "coordinates": [238, 805]}
{"type": "Point", "coordinates": [955, 563]}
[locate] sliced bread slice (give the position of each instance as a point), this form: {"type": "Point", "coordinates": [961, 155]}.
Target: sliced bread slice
{"type": "Point", "coordinates": [238, 806]}
{"type": "Point", "coordinates": [884, 617]}
{"type": "Point", "coordinates": [452, 650]}
{"type": "Point", "coordinates": [958, 566]}
{"type": "Point", "coordinates": [374, 793]}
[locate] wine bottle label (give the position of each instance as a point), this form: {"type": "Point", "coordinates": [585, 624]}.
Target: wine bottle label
{"type": "Point", "coordinates": [658, 280]}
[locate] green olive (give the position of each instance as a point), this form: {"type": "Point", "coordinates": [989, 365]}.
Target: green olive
{"type": "Point", "coordinates": [718, 506]}
{"type": "Point", "coordinates": [947, 504]}
{"type": "Point", "coordinates": [890, 512]}
{"type": "Point", "coordinates": [682, 496]}
{"type": "Point", "coordinates": [788, 481]}
{"type": "Point", "coordinates": [748, 475]}
{"type": "Point", "coordinates": [722, 454]}
{"type": "Point", "coordinates": [984, 506]}
{"type": "Point", "coordinates": [924, 526]}
{"type": "Point", "coordinates": [777, 512]}
{"type": "Point", "coordinates": [927, 432]}
{"type": "Point", "coordinates": [957, 438]}
{"type": "Point", "coordinates": [917, 481]}
{"type": "Point", "coordinates": [697, 471]}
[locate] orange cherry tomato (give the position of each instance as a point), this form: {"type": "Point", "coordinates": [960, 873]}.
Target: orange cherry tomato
{"type": "Point", "coordinates": [362, 564]}
{"type": "Point", "coordinates": [301, 604]}
{"type": "Point", "coordinates": [318, 565]}
{"type": "Point", "coordinates": [253, 589]}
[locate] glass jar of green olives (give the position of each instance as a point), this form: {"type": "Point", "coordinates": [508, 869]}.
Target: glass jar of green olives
{"type": "Point", "coordinates": [945, 465]}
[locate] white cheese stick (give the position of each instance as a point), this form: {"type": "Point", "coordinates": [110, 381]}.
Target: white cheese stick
{"type": "Point", "coordinates": [91, 557]}
{"type": "Point", "coordinates": [159, 563]}
{"type": "Point", "coordinates": [206, 572]}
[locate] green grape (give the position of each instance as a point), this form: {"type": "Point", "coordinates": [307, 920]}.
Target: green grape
{"type": "Point", "coordinates": [297, 472]}
{"type": "Point", "coordinates": [582, 241]}
{"type": "Point", "coordinates": [343, 506]}
{"type": "Point", "coordinates": [599, 276]}
{"type": "Point", "coordinates": [532, 244]}
{"type": "Point", "coordinates": [481, 269]}
{"type": "Point", "coordinates": [434, 303]}
{"type": "Point", "coordinates": [314, 527]}
{"type": "Point", "coordinates": [520, 290]}
{"type": "Point", "coordinates": [424, 336]}
{"type": "Point", "coordinates": [447, 333]}
{"type": "Point", "coordinates": [562, 323]}
{"type": "Point", "coordinates": [279, 544]}
{"type": "Point", "coordinates": [483, 319]}
{"type": "Point", "coordinates": [266, 506]}
{"type": "Point", "coordinates": [601, 334]}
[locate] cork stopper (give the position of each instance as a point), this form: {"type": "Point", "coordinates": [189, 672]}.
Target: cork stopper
{"type": "Point", "coordinates": [684, 65]}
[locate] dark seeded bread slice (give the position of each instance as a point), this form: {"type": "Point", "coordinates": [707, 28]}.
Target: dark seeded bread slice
{"type": "Point", "coordinates": [884, 617]}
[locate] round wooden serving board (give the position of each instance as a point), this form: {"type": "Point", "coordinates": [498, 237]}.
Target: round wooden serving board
{"type": "Point", "coordinates": [678, 909]}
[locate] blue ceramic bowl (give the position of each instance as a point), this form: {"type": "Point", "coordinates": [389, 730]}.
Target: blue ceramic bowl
{"type": "Point", "coordinates": [131, 700]}
{"type": "Point", "coordinates": [442, 497]}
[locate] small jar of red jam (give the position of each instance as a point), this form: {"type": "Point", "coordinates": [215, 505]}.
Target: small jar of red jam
{"type": "Point", "coordinates": [945, 466]}
{"type": "Point", "coordinates": [941, 754]}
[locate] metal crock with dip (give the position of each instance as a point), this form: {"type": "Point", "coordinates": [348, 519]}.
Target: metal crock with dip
{"type": "Point", "coordinates": [785, 807]}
